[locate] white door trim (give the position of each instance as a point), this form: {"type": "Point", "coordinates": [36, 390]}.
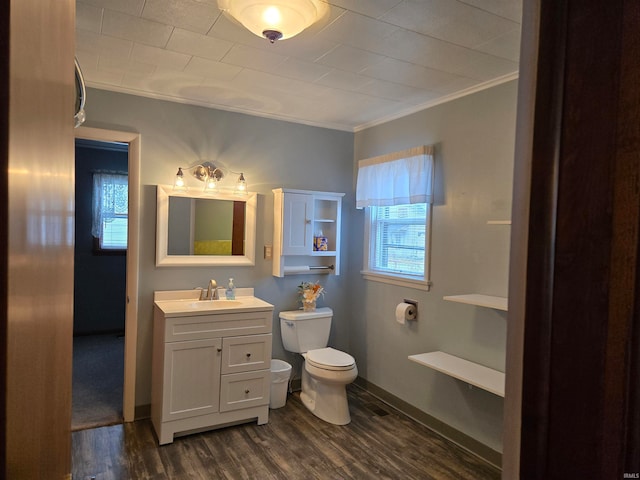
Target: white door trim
{"type": "Point", "coordinates": [131, 312]}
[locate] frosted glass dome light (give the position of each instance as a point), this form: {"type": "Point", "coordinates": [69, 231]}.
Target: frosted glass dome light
{"type": "Point", "coordinates": [275, 19]}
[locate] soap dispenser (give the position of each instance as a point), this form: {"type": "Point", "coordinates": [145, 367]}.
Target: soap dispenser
{"type": "Point", "coordinates": [231, 290]}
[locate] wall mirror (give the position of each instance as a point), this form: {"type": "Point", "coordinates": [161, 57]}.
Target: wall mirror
{"type": "Point", "coordinates": [203, 229]}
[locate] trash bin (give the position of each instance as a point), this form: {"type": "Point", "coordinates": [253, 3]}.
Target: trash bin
{"type": "Point", "coordinates": [280, 373]}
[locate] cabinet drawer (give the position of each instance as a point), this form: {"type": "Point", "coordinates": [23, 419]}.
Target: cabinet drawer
{"type": "Point", "coordinates": [244, 390]}
{"type": "Point", "coordinates": [218, 325]}
{"type": "Point", "coordinates": [243, 354]}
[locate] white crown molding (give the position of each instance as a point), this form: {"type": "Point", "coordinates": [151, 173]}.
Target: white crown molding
{"type": "Point", "coordinates": [226, 108]}
{"type": "Point", "coordinates": [447, 98]}
{"type": "Point", "coordinates": [329, 125]}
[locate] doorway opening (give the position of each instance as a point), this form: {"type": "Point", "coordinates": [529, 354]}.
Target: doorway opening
{"type": "Point", "coordinates": [132, 140]}
{"type": "Point", "coordinates": [101, 218]}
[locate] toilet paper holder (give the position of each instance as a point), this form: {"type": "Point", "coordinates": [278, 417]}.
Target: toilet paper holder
{"type": "Point", "coordinates": [414, 303]}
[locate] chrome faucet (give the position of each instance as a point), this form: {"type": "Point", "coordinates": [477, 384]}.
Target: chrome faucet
{"type": "Point", "coordinates": [212, 290]}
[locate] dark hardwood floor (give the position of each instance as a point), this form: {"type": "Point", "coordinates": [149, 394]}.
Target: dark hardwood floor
{"type": "Point", "coordinates": [379, 443]}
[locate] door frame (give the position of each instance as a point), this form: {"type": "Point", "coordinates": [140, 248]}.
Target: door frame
{"type": "Point", "coordinates": [572, 403]}
{"type": "Point", "coordinates": [133, 249]}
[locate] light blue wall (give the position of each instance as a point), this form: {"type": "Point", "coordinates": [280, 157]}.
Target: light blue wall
{"type": "Point", "coordinates": [271, 154]}
{"type": "Point", "coordinates": [474, 140]}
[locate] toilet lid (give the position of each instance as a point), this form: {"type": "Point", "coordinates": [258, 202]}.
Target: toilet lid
{"type": "Point", "coordinates": [330, 359]}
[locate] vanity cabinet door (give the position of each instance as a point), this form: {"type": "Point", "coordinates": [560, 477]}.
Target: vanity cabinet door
{"type": "Point", "coordinates": [297, 234]}
{"type": "Point", "coordinates": [191, 385]}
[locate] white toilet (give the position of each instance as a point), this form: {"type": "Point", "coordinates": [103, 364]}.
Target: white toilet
{"type": "Point", "coordinates": [325, 372]}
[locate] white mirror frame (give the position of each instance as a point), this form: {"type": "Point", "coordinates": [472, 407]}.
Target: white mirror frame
{"type": "Point", "coordinates": [162, 230]}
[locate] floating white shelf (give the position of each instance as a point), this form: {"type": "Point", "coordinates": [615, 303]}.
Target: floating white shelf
{"type": "Point", "coordinates": [499, 303]}
{"type": "Point", "coordinates": [469, 372]}
{"type": "Point", "coordinates": [498, 222]}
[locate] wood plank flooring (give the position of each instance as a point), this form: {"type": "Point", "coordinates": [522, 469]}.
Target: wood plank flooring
{"type": "Point", "coordinates": [379, 443]}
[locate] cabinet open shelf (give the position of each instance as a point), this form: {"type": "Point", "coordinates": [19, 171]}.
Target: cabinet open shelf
{"type": "Point", "coordinates": [472, 373]}
{"type": "Point", "coordinates": [489, 301]}
{"type": "Point", "coordinates": [323, 253]}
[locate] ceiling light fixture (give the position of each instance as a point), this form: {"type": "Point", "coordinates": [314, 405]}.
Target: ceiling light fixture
{"type": "Point", "coordinates": [275, 19]}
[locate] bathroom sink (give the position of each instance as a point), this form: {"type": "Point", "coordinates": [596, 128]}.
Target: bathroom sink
{"type": "Point", "coordinates": [192, 306]}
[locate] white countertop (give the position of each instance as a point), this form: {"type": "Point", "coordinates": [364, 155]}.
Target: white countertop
{"type": "Point", "coordinates": [180, 303]}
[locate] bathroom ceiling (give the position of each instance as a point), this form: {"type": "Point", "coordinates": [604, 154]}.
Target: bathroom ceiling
{"type": "Point", "coordinates": [366, 62]}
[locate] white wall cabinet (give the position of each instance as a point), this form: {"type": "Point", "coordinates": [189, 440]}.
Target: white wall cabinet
{"type": "Point", "coordinates": [209, 370]}
{"type": "Point", "coordinates": [300, 216]}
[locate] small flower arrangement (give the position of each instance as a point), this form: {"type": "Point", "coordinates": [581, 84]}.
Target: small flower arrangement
{"type": "Point", "coordinates": [309, 293]}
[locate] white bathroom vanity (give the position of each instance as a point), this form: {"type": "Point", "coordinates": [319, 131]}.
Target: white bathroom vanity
{"type": "Point", "coordinates": [211, 362]}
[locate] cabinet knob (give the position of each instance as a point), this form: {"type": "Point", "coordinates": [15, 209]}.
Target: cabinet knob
{"type": "Point", "coordinates": [249, 355]}
{"type": "Point", "coordinates": [307, 221]}
{"type": "Point", "coordinates": [219, 349]}
{"type": "Point", "coordinates": [247, 391]}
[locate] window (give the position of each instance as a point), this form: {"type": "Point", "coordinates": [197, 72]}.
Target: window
{"type": "Point", "coordinates": [397, 244]}
{"type": "Point", "coordinates": [397, 191]}
{"type": "Point", "coordinates": [398, 235]}
{"type": "Point", "coordinates": [110, 211]}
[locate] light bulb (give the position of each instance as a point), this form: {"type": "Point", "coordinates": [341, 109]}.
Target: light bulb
{"type": "Point", "coordinates": [179, 181]}
{"type": "Point", "coordinates": [272, 16]}
{"type": "Point", "coordinates": [241, 185]}
{"type": "Point", "coordinates": [211, 184]}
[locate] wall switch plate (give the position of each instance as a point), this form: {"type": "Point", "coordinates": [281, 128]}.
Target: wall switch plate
{"type": "Point", "coordinates": [268, 252]}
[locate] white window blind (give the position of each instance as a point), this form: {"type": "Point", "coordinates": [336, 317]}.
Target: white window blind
{"type": "Point", "coordinates": [399, 237]}
{"type": "Point", "coordinates": [110, 210]}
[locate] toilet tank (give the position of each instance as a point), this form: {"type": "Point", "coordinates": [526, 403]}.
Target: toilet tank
{"type": "Point", "coordinates": [303, 331]}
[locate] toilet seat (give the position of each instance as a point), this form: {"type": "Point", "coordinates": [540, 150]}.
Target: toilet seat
{"type": "Point", "coordinates": [330, 359]}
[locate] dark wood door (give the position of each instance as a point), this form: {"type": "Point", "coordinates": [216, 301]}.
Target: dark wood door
{"type": "Point", "coordinates": [580, 404]}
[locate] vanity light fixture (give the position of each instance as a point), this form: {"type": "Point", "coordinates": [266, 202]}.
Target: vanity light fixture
{"type": "Point", "coordinates": [211, 175]}
{"type": "Point", "coordinates": [275, 19]}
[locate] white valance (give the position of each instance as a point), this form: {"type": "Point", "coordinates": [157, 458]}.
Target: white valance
{"type": "Point", "coordinates": [398, 178]}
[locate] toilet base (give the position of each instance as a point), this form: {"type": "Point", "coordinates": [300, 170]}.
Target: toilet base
{"type": "Point", "coordinates": [327, 401]}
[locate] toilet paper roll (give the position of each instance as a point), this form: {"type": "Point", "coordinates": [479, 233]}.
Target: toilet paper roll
{"type": "Point", "coordinates": [405, 311]}
{"type": "Point", "coordinates": [297, 269]}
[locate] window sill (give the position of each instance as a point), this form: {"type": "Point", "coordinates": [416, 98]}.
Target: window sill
{"type": "Point", "coordinates": [97, 250]}
{"type": "Point", "coordinates": [399, 280]}
{"type": "Point", "coordinates": [109, 252]}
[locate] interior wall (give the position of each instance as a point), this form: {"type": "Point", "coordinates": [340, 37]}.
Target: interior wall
{"type": "Point", "coordinates": [99, 279]}
{"type": "Point", "coordinates": [39, 233]}
{"type": "Point", "coordinates": [474, 142]}
{"type": "Point", "coordinates": [272, 154]}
